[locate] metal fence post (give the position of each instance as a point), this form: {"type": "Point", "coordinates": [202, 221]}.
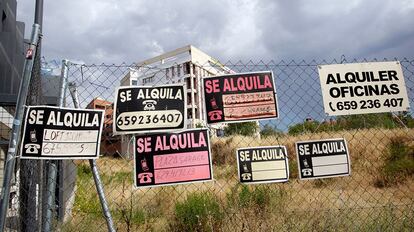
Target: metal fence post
{"type": "Point", "coordinates": [96, 177]}
{"type": "Point", "coordinates": [52, 167]}
{"type": "Point", "coordinates": [15, 133]}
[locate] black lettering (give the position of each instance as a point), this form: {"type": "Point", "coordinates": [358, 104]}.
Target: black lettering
{"type": "Point", "coordinates": [383, 75]}
{"type": "Point", "coordinates": [385, 90]}
{"type": "Point", "coordinates": [373, 90]}
{"type": "Point", "coordinates": [394, 89]}
{"type": "Point", "coordinates": [343, 90]}
{"type": "Point", "coordinates": [350, 77]}
{"type": "Point", "coordinates": [392, 75]}
{"type": "Point", "coordinates": [365, 77]}
{"type": "Point", "coordinates": [357, 92]}
{"type": "Point", "coordinates": [338, 76]}
{"type": "Point", "coordinates": [335, 92]}
{"type": "Point", "coordinates": [331, 79]}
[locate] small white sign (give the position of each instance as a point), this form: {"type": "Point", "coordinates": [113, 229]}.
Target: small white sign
{"type": "Point", "coordinates": [362, 88]}
{"type": "Point", "coordinates": [267, 164]}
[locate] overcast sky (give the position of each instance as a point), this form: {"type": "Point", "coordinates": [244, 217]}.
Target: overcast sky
{"type": "Point", "coordinates": [115, 31]}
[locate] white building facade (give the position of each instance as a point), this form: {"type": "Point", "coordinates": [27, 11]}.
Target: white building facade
{"type": "Point", "coordinates": [186, 65]}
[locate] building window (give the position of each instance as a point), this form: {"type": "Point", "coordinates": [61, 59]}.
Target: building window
{"type": "Point", "coordinates": [173, 71]}
{"type": "Point", "coordinates": [179, 70]}
{"type": "Point", "coordinates": [167, 73]}
{"type": "Point", "coordinates": [189, 114]}
{"type": "Point", "coordinates": [147, 80]}
{"type": "Point", "coordinates": [188, 83]}
{"type": "Point", "coordinates": [196, 114]}
{"type": "Point", "coordinates": [134, 82]}
{"type": "Point", "coordinates": [187, 68]}
{"type": "Point", "coordinates": [189, 99]}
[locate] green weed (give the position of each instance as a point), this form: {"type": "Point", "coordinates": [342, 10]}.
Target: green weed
{"type": "Point", "coordinates": [199, 212]}
{"type": "Point", "coordinates": [399, 163]}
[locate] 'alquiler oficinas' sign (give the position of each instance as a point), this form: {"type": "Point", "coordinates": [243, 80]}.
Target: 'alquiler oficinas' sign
{"type": "Point", "coordinates": [362, 88]}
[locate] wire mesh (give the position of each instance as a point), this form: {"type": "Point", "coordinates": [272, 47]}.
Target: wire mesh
{"type": "Point", "coordinates": [378, 195]}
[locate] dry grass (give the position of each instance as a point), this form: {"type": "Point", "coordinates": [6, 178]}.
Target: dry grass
{"type": "Point", "coordinates": [321, 204]}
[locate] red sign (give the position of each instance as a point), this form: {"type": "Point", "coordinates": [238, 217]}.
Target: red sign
{"type": "Point", "coordinates": [240, 97]}
{"type": "Point", "coordinates": [163, 159]}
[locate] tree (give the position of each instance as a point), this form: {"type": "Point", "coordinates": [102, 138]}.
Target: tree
{"type": "Point", "coordinates": [268, 131]}
{"type": "Point", "coordinates": [358, 121]}
{"type": "Point", "coordinates": [308, 126]}
{"type": "Point", "coordinates": [242, 128]}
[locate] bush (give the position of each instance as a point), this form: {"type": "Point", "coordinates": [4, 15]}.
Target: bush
{"type": "Point", "coordinates": [269, 131]}
{"type": "Point", "coordinates": [199, 212]}
{"type": "Point", "coordinates": [399, 163]}
{"type": "Point", "coordinates": [242, 128]}
{"type": "Point", "coordinates": [352, 122]}
{"type": "Point", "coordinates": [306, 127]}
{"type": "Point", "coordinates": [223, 151]}
{"type": "Point", "coordinates": [85, 200]}
{"type": "Point", "coordinates": [260, 198]}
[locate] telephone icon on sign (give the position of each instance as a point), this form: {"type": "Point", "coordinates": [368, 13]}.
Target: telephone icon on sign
{"type": "Point", "coordinates": [149, 104]}
{"type": "Point", "coordinates": [307, 172]}
{"type": "Point", "coordinates": [32, 148]}
{"type": "Point", "coordinates": [215, 115]}
{"type": "Point", "coordinates": [145, 177]}
{"type": "Point", "coordinates": [246, 176]}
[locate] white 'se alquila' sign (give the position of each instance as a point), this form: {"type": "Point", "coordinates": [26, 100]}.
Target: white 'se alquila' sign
{"type": "Point", "coordinates": [362, 88]}
{"type": "Point", "coordinates": [61, 133]}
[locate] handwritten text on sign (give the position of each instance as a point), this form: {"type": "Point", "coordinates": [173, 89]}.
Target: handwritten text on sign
{"type": "Point", "coordinates": [162, 159]}
{"type": "Point", "coordinates": [60, 133]}
{"type": "Point", "coordinates": [240, 97]}
{"type": "Point", "coordinates": [144, 109]}
{"type": "Point", "coordinates": [363, 88]}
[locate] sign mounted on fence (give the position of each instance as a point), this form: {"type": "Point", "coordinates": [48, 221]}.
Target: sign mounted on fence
{"type": "Point", "coordinates": [166, 159]}
{"type": "Point", "coordinates": [240, 97]}
{"type": "Point", "coordinates": [141, 109]}
{"type": "Point", "coordinates": [61, 133]}
{"type": "Point", "coordinates": [363, 88]}
{"type": "Point", "coordinates": [323, 158]}
{"type": "Point", "coordinates": [263, 164]}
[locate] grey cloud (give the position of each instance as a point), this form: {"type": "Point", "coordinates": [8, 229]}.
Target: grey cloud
{"type": "Point", "coordinates": [129, 31]}
{"type": "Point", "coordinates": [364, 29]}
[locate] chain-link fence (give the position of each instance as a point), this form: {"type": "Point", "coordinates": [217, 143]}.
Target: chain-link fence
{"type": "Point", "coordinates": [378, 195]}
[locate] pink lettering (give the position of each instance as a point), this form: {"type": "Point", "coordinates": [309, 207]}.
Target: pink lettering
{"type": "Point", "coordinates": [246, 83]}
{"type": "Point", "coordinates": [267, 82]}
{"type": "Point", "coordinates": [212, 86]}
{"type": "Point", "coordinates": [144, 144]}
{"type": "Point", "coordinates": [182, 174]}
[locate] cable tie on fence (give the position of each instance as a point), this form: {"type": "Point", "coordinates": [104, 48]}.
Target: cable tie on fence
{"type": "Point", "coordinates": [10, 151]}
{"type": "Point", "coordinates": [129, 142]}
{"type": "Point", "coordinates": [16, 122]}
